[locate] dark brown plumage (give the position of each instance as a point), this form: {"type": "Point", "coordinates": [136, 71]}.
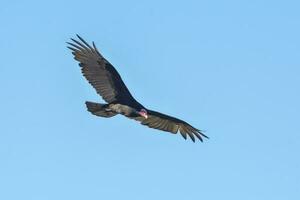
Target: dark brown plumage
{"type": "Point", "coordinates": [109, 84]}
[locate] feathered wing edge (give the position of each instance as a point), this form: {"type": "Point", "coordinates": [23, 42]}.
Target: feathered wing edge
{"type": "Point", "coordinates": [99, 72]}
{"type": "Point", "coordinates": [170, 124]}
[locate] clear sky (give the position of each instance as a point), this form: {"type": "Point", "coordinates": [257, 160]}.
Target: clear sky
{"type": "Point", "coordinates": [231, 68]}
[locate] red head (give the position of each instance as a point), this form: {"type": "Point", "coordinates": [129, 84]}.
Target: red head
{"type": "Point", "coordinates": [143, 113]}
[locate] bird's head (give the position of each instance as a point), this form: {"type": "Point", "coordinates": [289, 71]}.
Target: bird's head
{"type": "Point", "coordinates": [143, 113]}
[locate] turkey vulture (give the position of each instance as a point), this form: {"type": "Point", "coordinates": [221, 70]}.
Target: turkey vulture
{"type": "Point", "coordinates": [108, 84]}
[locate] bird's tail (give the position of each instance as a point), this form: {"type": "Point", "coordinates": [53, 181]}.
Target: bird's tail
{"type": "Point", "coordinates": [99, 109]}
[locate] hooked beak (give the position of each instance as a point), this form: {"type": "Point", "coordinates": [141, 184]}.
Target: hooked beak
{"type": "Point", "coordinates": [144, 114]}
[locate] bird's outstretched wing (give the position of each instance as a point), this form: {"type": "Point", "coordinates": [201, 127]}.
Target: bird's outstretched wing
{"type": "Point", "coordinates": [100, 73]}
{"type": "Point", "coordinates": [167, 123]}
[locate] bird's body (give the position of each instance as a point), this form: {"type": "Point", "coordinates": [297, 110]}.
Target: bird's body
{"type": "Point", "coordinates": [109, 84]}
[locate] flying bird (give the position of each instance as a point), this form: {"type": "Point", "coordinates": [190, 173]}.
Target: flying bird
{"type": "Point", "coordinates": [109, 85]}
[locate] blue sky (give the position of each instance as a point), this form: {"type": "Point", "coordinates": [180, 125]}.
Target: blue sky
{"type": "Point", "coordinates": [230, 68]}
